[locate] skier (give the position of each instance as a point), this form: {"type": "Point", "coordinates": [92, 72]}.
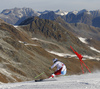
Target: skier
{"type": "Point", "coordinates": [61, 68]}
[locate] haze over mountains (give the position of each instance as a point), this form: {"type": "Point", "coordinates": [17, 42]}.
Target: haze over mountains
{"type": "Point", "coordinates": [27, 49]}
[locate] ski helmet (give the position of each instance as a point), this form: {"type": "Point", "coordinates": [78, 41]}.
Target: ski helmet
{"type": "Point", "coordinates": [54, 60]}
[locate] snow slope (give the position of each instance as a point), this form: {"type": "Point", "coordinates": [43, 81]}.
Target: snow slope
{"type": "Point", "coordinates": [84, 41]}
{"type": "Point", "coordinates": [70, 55]}
{"type": "Point", "coordinates": [84, 81]}
{"type": "Point", "coordinates": [64, 54]}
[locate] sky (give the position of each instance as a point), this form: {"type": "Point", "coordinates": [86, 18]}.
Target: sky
{"type": "Point", "coordinates": [41, 5]}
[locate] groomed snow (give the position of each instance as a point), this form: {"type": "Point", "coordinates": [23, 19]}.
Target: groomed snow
{"type": "Point", "coordinates": [84, 81]}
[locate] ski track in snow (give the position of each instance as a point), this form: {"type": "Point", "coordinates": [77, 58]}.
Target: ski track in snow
{"type": "Point", "coordinates": [84, 81]}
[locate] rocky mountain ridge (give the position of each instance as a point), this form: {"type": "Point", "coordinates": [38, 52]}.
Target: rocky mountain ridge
{"type": "Point", "coordinates": [80, 29]}
{"type": "Point", "coordinates": [17, 15]}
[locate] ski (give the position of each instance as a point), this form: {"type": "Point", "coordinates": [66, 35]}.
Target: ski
{"type": "Point", "coordinates": [39, 80]}
{"type": "Point", "coordinates": [49, 79]}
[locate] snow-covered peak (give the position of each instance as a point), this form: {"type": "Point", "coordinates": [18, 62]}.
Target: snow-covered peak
{"type": "Point", "coordinates": [44, 12]}
{"type": "Point", "coordinates": [84, 10]}
{"type": "Point", "coordinates": [75, 12]}
{"type": "Point", "coordinates": [79, 12]}
{"type": "Point", "coordinates": [60, 12]}
{"type": "Point", "coordinates": [19, 12]}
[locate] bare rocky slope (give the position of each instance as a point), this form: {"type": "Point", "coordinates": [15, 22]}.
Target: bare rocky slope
{"type": "Point", "coordinates": [23, 56]}
{"type": "Point", "coordinates": [90, 33]}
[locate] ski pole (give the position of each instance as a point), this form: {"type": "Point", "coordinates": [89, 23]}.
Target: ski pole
{"type": "Point", "coordinates": [82, 67]}
{"type": "Point", "coordinates": [86, 66]}
{"type": "Point", "coordinates": [39, 75]}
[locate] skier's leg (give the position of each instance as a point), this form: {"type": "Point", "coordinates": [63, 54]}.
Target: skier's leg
{"type": "Point", "coordinates": [63, 72]}
{"type": "Point", "coordinates": [58, 72]}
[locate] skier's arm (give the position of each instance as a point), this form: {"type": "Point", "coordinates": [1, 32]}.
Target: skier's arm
{"type": "Point", "coordinates": [53, 65]}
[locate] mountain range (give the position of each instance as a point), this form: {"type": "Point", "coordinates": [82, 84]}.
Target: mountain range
{"type": "Point", "coordinates": [16, 15]}
{"type": "Point", "coordinates": [83, 16]}
{"type": "Point", "coordinates": [27, 50]}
